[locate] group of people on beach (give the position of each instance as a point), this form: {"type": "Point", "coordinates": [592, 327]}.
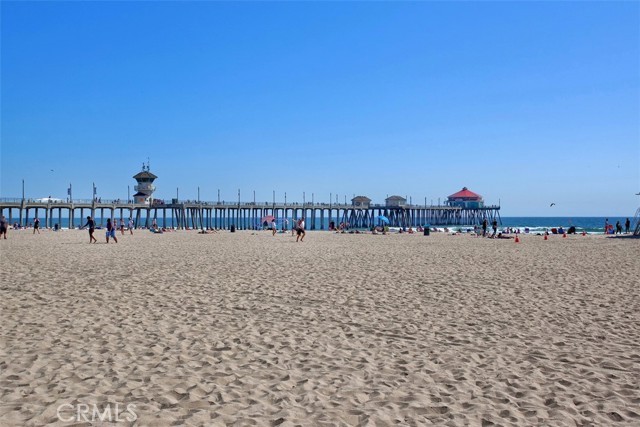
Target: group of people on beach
{"type": "Point", "coordinates": [297, 229]}
{"type": "Point", "coordinates": [111, 229]}
{"type": "Point", "coordinates": [4, 226]}
{"type": "Point", "coordinates": [609, 229]}
{"type": "Point", "coordinates": [494, 227]}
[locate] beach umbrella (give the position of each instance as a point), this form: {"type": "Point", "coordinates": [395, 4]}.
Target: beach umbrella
{"type": "Point", "coordinates": [383, 219]}
{"type": "Point", "coordinates": [267, 218]}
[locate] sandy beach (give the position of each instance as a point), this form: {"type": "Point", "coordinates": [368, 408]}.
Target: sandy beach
{"type": "Point", "coordinates": [248, 328]}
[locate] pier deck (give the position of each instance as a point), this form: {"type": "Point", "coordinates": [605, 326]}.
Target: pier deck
{"type": "Point", "coordinates": [243, 215]}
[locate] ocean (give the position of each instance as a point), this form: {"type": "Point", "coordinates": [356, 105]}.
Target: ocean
{"type": "Point", "coordinates": [592, 225]}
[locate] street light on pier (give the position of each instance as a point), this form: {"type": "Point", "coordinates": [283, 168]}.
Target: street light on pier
{"type": "Point", "coordinates": [198, 194]}
{"type": "Point", "coordinates": [285, 198]}
{"type": "Point", "coordinates": [218, 196]}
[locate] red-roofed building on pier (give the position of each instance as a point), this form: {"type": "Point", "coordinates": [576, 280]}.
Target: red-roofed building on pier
{"type": "Point", "coordinates": [465, 198]}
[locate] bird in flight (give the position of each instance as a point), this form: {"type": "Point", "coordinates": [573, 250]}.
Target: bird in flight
{"type": "Point", "coordinates": [552, 204]}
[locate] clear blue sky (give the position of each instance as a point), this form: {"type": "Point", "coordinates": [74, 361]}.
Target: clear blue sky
{"type": "Point", "coordinates": [524, 102]}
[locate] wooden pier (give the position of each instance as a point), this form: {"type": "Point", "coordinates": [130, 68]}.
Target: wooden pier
{"type": "Point", "coordinates": [242, 215]}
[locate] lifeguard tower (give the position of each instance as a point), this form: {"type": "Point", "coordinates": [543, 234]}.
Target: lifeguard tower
{"type": "Point", "coordinates": [145, 187]}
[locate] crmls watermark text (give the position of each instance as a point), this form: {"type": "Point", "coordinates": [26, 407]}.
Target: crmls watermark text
{"type": "Point", "coordinates": [110, 412]}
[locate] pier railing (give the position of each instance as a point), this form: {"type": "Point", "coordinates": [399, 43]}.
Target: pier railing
{"type": "Point", "coordinates": [14, 200]}
{"type": "Point", "coordinates": [225, 203]}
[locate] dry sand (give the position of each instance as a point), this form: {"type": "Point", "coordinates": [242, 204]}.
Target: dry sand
{"type": "Point", "coordinates": [250, 329]}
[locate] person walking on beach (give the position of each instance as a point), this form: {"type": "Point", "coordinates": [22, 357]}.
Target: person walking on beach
{"type": "Point", "coordinates": [36, 226]}
{"type": "Point", "coordinates": [273, 227]}
{"type": "Point", "coordinates": [627, 226]}
{"type": "Point", "coordinates": [484, 227]}
{"type": "Point", "coordinates": [606, 226]}
{"type": "Point", "coordinates": [131, 226]}
{"type": "Point", "coordinates": [494, 226]}
{"type": "Point", "coordinates": [3, 227]}
{"type": "Point", "coordinates": [92, 227]}
{"type": "Point", "coordinates": [111, 231]}
{"type": "Point", "coordinates": [300, 230]}
{"type": "Point", "coordinates": [618, 227]}
{"type": "Point", "coordinates": [122, 226]}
